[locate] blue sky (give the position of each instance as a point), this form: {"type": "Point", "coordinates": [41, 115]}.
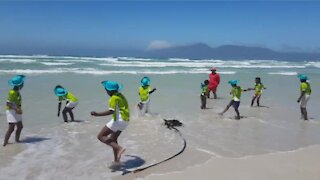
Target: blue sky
{"type": "Point", "coordinates": [291, 26]}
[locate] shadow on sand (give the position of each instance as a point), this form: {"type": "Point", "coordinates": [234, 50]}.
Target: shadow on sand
{"type": "Point", "coordinates": [77, 121]}
{"type": "Point", "coordinates": [132, 162]}
{"type": "Point", "coordinates": [33, 140]}
{"type": "Point", "coordinates": [261, 106]}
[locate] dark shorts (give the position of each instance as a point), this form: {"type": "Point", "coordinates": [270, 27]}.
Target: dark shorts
{"type": "Point", "coordinates": [234, 104]}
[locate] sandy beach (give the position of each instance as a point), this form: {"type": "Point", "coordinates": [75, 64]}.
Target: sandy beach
{"type": "Point", "coordinates": [296, 165]}
{"type": "Point", "coordinates": [270, 142]}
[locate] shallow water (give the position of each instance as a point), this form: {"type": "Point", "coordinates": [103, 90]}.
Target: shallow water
{"type": "Point", "coordinates": [51, 148]}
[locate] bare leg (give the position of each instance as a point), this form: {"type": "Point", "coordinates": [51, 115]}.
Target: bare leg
{"type": "Point", "coordinates": [226, 109]}
{"type": "Point", "coordinates": [302, 112]}
{"type": "Point", "coordinates": [64, 114]}
{"type": "Point", "coordinates": [8, 134]}
{"type": "Point", "coordinates": [238, 114]}
{"type": "Point", "coordinates": [18, 131]}
{"type": "Point", "coordinates": [203, 101]}
{"type": "Point", "coordinates": [111, 141]}
{"type": "Point", "coordinates": [146, 108]}
{"type": "Point", "coordinates": [71, 113]}
{"type": "Point", "coordinates": [253, 99]}
{"type": "Point", "coordinates": [115, 136]}
{"type": "Point", "coordinates": [305, 114]}
{"type": "Point", "coordinates": [258, 100]}
{"type": "Point", "coordinates": [214, 95]}
{"type": "Point", "coordinates": [140, 106]}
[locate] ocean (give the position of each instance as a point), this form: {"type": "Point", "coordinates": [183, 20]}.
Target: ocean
{"type": "Point", "coordinates": [55, 150]}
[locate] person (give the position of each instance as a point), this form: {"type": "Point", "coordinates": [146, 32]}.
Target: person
{"type": "Point", "coordinates": [258, 91]}
{"type": "Point", "coordinates": [14, 108]}
{"type": "Point", "coordinates": [204, 94]}
{"type": "Point", "coordinates": [144, 93]}
{"type": "Point", "coordinates": [236, 92]}
{"type": "Point", "coordinates": [71, 103]}
{"type": "Point", "coordinates": [305, 92]}
{"type": "Point", "coordinates": [214, 81]}
{"type": "Point", "coordinates": [119, 109]}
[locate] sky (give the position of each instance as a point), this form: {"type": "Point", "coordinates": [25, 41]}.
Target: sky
{"type": "Point", "coordinates": [286, 26]}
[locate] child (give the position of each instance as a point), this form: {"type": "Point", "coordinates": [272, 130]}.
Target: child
{"type": "Point", "coordinates": [204, 94]}
{"type": "Point", "coordinates": [258, 91]}
{"type": "Point", "coordinates": [236, 94]}
{"type": "Point", "coordinates": [119, 109]}
{"type": "Point", "coordinates": [13, 109]}
{"type": "Point", "coordinates": [144, 93]}
{"type": "Point", "coordinates": [71, 103]}
{"type": "Point", "coordinates": [305, 90]}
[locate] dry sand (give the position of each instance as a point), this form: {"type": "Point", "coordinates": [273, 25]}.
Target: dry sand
{"type": "Point", "coordinates": [301, 164]}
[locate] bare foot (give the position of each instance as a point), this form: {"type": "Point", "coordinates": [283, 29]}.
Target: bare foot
{"type": "Point", "coordinates": [4, 144]}
{"type": "Point", "coordinates": [120, 152]}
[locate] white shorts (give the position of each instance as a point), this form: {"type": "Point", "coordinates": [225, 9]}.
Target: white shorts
{"type": "Point", "coordinates": [145, 105]}
{"type": "Point", "coordinates": [118, 125]}
{"type": "Point", "coordinates": [13, 117]}
{"type": "Point", "coordinates": [72, 104]}
{"type": "Point", "coordinates": [304, 101]}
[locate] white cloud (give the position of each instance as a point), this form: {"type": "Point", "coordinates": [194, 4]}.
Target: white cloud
{"type": "Point", "coordinates": [159, 44]}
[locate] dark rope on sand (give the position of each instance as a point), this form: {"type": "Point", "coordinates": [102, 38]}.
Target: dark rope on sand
{"type": "Point", "coordinates": [170, 125]}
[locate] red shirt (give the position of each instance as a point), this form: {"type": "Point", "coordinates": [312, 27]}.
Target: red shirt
{"type": "Point", "coordinates": [214, 80]}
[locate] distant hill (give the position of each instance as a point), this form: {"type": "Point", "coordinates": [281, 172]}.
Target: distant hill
{"type": "Point", "coordinates": [203, 51]}
{"type": "Point", "coordinates": [195, 51]}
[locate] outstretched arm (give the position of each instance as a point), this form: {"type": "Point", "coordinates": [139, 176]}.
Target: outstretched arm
{"type": "Point", "coordinates": [104, 113]}
{"type": "Point", "coordinates": [152, 90]}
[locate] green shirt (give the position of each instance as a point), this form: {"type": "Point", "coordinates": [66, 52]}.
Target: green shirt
{"type": "Point", "coordinates": [119, 104]}
{"type": "Point", "coordinates": [204, 89]}
{"type": "Point", "coordinates": [258, 88]}
{"type": "Point", "coordinates": [305, 87]}
{"type": "Point", "coordinates": [236, 93]}
{"type": "Point", "coordinates": [14, 97]}
{"type": "Point", "coordinates": [69, 97]}
{"type": "Point", "coordinates": [144, 93]}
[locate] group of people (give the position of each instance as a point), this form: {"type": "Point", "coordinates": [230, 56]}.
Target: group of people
{"type": "Point", "coordinates": [118, 108]}
{"type": "Point", "coordinates": [214, 80]}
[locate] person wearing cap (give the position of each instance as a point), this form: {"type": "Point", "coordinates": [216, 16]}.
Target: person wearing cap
{"type": "Point", "coordinates": [119, 109]}
{"type": "Point", "coordinates": [258, 91]}
{"type": "Point", "coordinates": [13, 108]}
{"type": "Point", "coordinates": [236, 92]}
{"type": "Point", "coordinates": [144, 93]}
{"type": "Point", "coordinates": [72, 102]}
{"type": "Point", "coordinates": [305, 92]}
{"type": "Point", "coordinates": [214, 81]}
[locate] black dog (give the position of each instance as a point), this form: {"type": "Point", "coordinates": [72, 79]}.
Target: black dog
{"type": "Point", "coordinates": [170, 123]}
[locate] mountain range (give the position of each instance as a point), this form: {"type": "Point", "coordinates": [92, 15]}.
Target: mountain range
{"type": "Point", "coordinates": [227, 52]}
{"type": "Point", "coordinates": [194, 51]}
